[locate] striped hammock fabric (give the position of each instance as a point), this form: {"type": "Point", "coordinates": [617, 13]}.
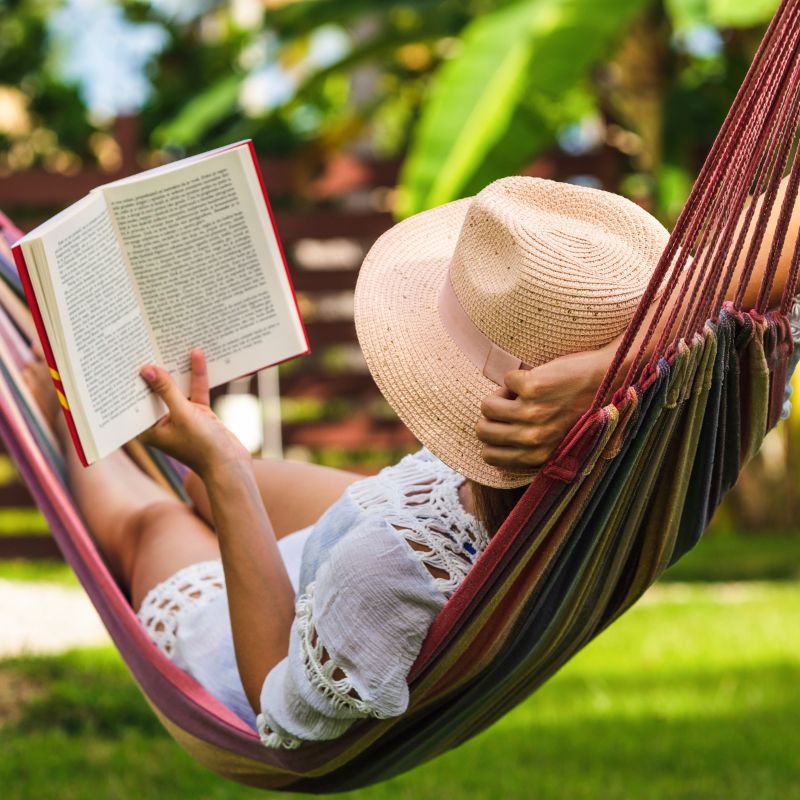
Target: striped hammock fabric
{"type": "Point", "coordinates": [628, 492]}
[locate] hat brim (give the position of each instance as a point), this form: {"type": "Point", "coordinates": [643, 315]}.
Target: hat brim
{"type": "Point", "coordinates": [429, 382]}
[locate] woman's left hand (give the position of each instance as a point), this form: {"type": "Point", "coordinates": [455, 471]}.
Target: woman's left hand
{"type": "Point", "coordinates": [191, 431]}
{"type": "Point", "coordinates": [524, 421]}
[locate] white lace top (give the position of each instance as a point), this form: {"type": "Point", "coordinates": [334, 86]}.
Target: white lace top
{"type": "Point", "coordinates": [377, 568]}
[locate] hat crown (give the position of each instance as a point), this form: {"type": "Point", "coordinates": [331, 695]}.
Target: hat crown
{"type": "Point", "coordinates": [545, 268]}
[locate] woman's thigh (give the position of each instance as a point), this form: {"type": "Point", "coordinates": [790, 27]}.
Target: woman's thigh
{"type": "Point", "coordinates": [294, 494]}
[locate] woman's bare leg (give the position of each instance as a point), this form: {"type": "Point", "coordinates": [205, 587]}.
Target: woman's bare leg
{"type": "Point", "coordinates": [144, 532]}
{"type": "Point", "coordinates": [294, 494]}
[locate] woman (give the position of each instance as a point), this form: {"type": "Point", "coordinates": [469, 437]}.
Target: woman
{"type": "Point", "coordinates": [488, 324]}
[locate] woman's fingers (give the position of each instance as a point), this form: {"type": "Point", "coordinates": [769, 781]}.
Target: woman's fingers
{"type": "Point", "coordinates": [521, 425]}
{"type": "Point", "coordinates": [498, 407]}
{"type": "Point", "coordinates": [198, 391]}
{"type": "Point", "coordinates": [506, 434]}
{"type": "Point", "coordinates": [157, 433]}
{"type": "Point", "coordinates": [160, 381]}
{"type": "Point", "coordinates": [509, 434]}
{"type": "Point", "coordinates": [514, 458]}
{"type": "Point", "coordinates": [150, 437]}
{"type": "Point", "coordinates": [524, 421]}
{"type": "Point", "coordinates": [518, 381]}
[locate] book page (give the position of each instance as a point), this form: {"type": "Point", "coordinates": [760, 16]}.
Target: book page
{"type": "Point", "coordinates": [104, 336]}
{"type": "Point", "coordinates": [37, 268]}
{"type": "Point", "coordinates": [206, 266]}
{"type": "Point", "coordinates": [172, 166]}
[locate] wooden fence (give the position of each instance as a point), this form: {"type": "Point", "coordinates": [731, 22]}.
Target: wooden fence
{"type": "Point", "coordinates": [332, 411]}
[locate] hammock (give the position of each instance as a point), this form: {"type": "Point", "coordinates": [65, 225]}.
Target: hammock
{"type": "Point", "coordinates": [627, 493]}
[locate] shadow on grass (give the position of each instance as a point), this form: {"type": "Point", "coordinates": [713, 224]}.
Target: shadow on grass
{"type": "Point", "coordinates": [731, 557]}
{"type": "Point", "coordinates": [85, 732]}
{"type": "Point", "coordinates": [81, 692]}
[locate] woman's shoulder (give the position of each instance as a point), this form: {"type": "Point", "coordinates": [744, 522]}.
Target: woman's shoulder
{"type": "Point", "coordinates": [418, 500]}
{"type": "Point", "coordinates": [419, 482]}
{"type": "Point", "coordinates": [415, 505]}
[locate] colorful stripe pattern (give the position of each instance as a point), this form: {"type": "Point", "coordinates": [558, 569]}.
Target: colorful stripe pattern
{"type": "Point", "coordinates": [628, 492]}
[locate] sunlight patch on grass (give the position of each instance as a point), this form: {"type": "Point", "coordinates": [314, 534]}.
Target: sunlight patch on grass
{"type": "Point", "coordinates": [21, 521]}
{"type": "Point", "coordinates": [25, 570]}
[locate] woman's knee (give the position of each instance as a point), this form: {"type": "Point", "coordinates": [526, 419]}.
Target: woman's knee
{"type": "Point", "coordinates": [146, 524]}
{"type": "Point", "coordinates": [166, 537]}
{"type": "Point", "coordinates": [156, 516]}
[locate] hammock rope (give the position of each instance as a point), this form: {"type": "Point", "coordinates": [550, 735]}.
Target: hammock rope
{"type": "Point", "coordinates": [628, 492]}
{"type": "Point", "coordinates": [748, 157]}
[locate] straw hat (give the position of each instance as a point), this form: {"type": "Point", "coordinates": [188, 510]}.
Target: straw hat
{"type": "Point", "coordinates": [450, 300]}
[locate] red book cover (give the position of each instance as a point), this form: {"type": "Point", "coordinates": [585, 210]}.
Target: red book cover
{"type": "Point", "coordinates": [260, 177]}
{"type": "Point", "coordinates": [19, 260]}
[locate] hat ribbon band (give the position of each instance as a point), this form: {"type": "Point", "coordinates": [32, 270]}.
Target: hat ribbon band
{"type": "Point", "coordinates": [489, 358]}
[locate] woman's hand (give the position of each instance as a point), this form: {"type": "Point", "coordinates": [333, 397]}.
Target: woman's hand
{"type": "Point", "coordinates": [191, 432]}
{"type": "Point", "coordinates": [524, 421]}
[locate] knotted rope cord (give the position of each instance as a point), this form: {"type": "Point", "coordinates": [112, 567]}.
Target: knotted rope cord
{"type": "Point", "coordinates": [749, 170]}
{"type": "Point", "coordinates": [790, 289]}
{"type": "Point", "coordinates": [750, 180]}
{"type": "Point", "coordinates": [672, 256]}
{"type": "Point", "coordinates": [720, 195]}
{"type": "Point", "coordinates": [741, 170]}
{"type": "Point", "coordinates": [751, 160]}
{"type": "Point", "coordinates": [737, 182]}
{"type": "Point", "coordinates": [769, 198]}
{"type": "Point", "coordinates": [751, 117]}
{"type": "Point", "coordinates": [785, 217]}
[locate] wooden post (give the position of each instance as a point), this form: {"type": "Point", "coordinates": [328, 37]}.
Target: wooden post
{"type": "Point", "coordinates": [126, 132]}
{"type": "Point", "coordinates": [269, 396]}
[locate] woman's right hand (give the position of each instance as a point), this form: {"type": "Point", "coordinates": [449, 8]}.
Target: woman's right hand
{"type": "Point", "coordinates": [191, 431]}
{"type": "Point", "coordinates": [524, 421]}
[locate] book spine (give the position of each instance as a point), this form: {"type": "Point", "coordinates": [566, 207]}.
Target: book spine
{"type": "Point", "coordinates": [27, 286]}
{"type": "Point", "coordinates": [260, 177]}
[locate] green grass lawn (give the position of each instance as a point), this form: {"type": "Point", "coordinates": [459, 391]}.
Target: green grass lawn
{"type": "Point", "coordinates": [731, 557]}
{"type": "Point", "coordinates": [19, 569]}
{"type": "Point", "coordinates": [693, 694]}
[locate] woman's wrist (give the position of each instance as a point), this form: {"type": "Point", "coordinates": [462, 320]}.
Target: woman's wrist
{"type": "Point", "coordinates": [595, 368]}
{"type": "Point", "coordinates": [225, 465]}
{"type": "Point", "coordinates": [608, 354]}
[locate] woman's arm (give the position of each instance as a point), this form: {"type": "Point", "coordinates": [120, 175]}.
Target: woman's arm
{"type": "Point", "coordinates": [525, 420]}
{"type": "Point", "coordinates": [283, 486]}
{"type": "Point", "coordinates": [260, 595]}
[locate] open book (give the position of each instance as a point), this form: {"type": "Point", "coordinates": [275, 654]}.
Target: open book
{"type": "Point", "coordinates": [143, 270]}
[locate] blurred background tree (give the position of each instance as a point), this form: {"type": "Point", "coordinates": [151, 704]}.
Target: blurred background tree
{"type": "Point", "coordinates": [460, 91]}
{"type": "Point", "coordinates": [465, 90]}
